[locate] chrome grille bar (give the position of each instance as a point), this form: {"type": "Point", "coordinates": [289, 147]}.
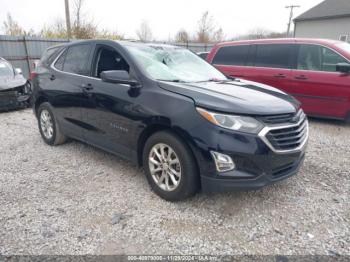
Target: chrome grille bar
{"type": "Point", "coordinates": [286, 138]}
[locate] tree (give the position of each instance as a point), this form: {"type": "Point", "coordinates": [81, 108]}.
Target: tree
{"type": "Point", "coordinates": [258, 33]}
{"type": "Point", "coordinates": [182, 36]}
{"type": "Point", "coordinates": [144, 33]}
{"type": "Point", "coordinates": [114, 35]}
{"type": "Point", "coordinates": [277, 35]}
{"type": "Point", "coordinates": [11, 27]}
{"type": "Point", "coordinates": [219, 35]}
{"type": "Point", "coordinates": [56, 30]}
{"type": "Point", "coordinates": [83, 27]}
{"type": "Point", "coordinates": [207, 30]}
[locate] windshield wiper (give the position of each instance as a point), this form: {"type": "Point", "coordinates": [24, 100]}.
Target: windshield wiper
{"type": "Point", "coordinates": [172, 80]}
{"type": "Point", "coordinates": [213, 80]}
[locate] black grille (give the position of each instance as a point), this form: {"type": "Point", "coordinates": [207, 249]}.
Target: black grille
{"type": "Point", "coordinates": [8, 98]}
{"type": "Point", "coordinates": [281, 171]}
{"type": "Point", "coordinates": [288, 138]}
{"type": "Point", "coordinates": [5, 94]}
{"type": "Point", "coordinates": [282, 119]}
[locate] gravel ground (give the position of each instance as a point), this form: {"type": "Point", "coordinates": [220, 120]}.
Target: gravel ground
{"type": "Point", "coordinates": [76, 199]}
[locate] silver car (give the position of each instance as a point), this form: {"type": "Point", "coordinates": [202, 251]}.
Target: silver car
{"type": "Point", "coordinates": [15, 89]}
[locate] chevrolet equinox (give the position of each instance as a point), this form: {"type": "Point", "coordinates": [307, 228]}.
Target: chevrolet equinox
{"type": "Point", "coordinates": [166, 109]}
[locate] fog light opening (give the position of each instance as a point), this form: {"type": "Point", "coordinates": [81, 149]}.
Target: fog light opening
{"type": "Point", "coordinates": [223, 162]}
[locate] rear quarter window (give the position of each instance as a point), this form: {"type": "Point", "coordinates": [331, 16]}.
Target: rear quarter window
{"type": "Point", "coordinates": [231, 55]}
{"type": "Point", "coordinates": [77, 59]}
{"type": "Point", "coordinates": [60, 61]}
{"type": "Point", "coordinates": [49, 55]}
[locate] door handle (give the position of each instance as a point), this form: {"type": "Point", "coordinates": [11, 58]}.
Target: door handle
{"type": "Point", "coordinates": [301, 77]}
{"type": "Point", "coordinates": [52, 77]}
{"type": "Point", "coordinates": [280, 76]}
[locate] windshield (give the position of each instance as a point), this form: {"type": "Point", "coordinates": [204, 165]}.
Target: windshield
{"type": "Point", "coordinates": [345, 47]}
{"type": "Point", "coordinates": [174, 64]}
{"type": "Point", "coordinates": [5, 69]}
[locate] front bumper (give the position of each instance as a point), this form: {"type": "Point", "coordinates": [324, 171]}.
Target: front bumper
{"type": "Point", "coordinates": [11, 100]}
{"type": "Point", "coordinates": [240, 180]}
{"type": "Point", "coordinates": [256, 164]}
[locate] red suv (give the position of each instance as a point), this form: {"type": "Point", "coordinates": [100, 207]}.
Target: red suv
{"type": "Point", "coordinates": [314, 71]}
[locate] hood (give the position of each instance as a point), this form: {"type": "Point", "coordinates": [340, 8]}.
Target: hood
{"type": "Point", "coordinates": [11, 82]}
{"type": "Point", "coordinates": [236, 97]}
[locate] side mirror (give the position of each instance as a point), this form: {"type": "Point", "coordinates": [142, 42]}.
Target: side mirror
{"type": "Point", "coordinates": [119, 77]}
{"type": "Point", "coordinates": [18, 71]}
{"type": "Point", "coordinates": [343, 68]}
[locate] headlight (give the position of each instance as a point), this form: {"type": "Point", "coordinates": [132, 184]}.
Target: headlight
{"type": "Point", "coordinates": [238, 123]}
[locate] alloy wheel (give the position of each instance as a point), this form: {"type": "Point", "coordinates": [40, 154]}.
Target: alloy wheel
{"type": "Point", "coordinates": [165, 167]}
{"type": "Point", "coordinates": [46, 124]}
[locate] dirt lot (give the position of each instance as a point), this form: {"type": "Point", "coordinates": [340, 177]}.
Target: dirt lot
{"type": "Point", "coordinates": [75, 199]}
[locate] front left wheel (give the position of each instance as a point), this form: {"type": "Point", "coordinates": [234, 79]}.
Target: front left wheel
{"type": "Point", "coordinates": [48, 126]}
{"type": "Point", "coordinates": [170, 167]}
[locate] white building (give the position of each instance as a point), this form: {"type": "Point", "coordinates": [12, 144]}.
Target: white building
{"type": "Point", "coordinates": [330, 19]}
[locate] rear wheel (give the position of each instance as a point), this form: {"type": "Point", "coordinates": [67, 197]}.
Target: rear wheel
{"type": "Point", "coordinates": [170, 167]}
{"type": "Point", "coordinates": [347, 119]}
{"type": "Point", "coordinates": [48, 126]}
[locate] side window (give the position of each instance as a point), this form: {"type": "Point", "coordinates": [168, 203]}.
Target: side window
{"type": "Point", "coordinates": [231, 55]}
{"type": "Point", "coordinates": [309, 58]}
{"type": "Point", "coordinates": [77, 59]}
{"type": "Point", "coordinates": [251, 55]}
{"type": "Point", "coordinates": [60, 61]}
{"type": "Point", "coordinates": [274, 55]}
{"type": "Point", "coordinates": [318, 58]}
{"type": "Point", "coordinates": [48, 56]}
{"type": "Point", "coordinates": [331, 59]}
{"type": "Point", "coordinates": [106, 59]}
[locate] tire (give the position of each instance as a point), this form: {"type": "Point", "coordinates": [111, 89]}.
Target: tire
{"type": "Point", "coordinates": [181, 161]}
{"type": "Point", "coordinates": [347, 119]}
{"type": "Point", "coordinates": [56, 137]}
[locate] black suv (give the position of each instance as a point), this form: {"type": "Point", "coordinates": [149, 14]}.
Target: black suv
{"type": "Point", "coordinates": [168, 110]}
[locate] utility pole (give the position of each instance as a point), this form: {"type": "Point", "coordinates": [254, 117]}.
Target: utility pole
{"type": "Point", "coordinates": [69, 34]}
{"type": "Point", "coordinates": [291, 7]}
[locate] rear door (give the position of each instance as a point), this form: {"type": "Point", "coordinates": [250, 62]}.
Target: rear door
{"type": "Point", "coordinates": [67, 77]}
{"type": "Point", "coordinates": [316, 84]}
{"type": "Point", "coordinates": [271, 64]}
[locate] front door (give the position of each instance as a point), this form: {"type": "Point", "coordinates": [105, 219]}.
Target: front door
{"type": "Point", "coordinates": [108, 112]}
{"type": "Point", "coordinates": [316, 84]}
